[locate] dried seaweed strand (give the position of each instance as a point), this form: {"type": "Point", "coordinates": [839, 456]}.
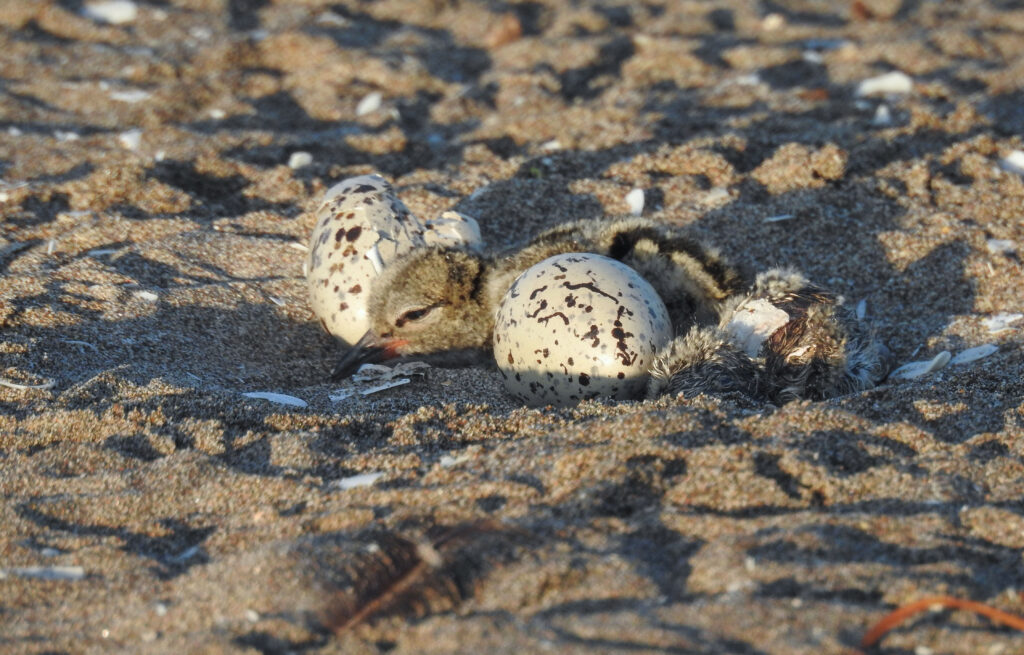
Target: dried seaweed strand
{"type": "Point", "coordinates": [399, 586]}
{"type": "Point", "coordinates": [413, 573]}
{"type": "Point", "coordinates": [900, 614]}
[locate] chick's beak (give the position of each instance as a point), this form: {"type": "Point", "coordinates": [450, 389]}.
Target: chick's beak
{"type": "Point", "coordinates": [370, 349]}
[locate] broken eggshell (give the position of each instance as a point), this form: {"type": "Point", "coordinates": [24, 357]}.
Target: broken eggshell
{"type": "Point", "coordinates": [362, 227]}
{"type": "Point", "coordinates": [578, 326]}
{"type": "Point", "coordinates": [452, 229]}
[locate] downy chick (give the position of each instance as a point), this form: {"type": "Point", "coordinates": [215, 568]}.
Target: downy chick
{"type": "Point", "coordinates": [784, 339]}
{"type": "Point", "coordinates": [440, 302]}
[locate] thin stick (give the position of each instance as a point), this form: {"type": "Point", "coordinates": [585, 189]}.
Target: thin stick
{"type": "Point", "coordinates": [900, 614]}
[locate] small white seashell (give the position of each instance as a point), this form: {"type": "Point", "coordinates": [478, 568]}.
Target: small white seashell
{"type": "Point", "coordinates": [917, 369]}
{"type": "Point", "coordinates": [279, 398]}
{"type": "Point", "coordinates": [70, 573]}
{"type": "Point", "coordinates": [299, 246]}
{"type": "Point", "coordinates": [772, 22]}
{"type": "Point", "coordinates": [148, 296]}
{"type": "Point", "coordinates": [447, 461]}
{"type": "Point", "coordinates": [217, 114]}
{"type": "Point", "coordinates": [862, 309]}
{"type": "Point", "coordinates": [974, 354]}
{"type": "Point", "coordinates": [361, 480]}
{"type": "Point", "coordinates": [76, 342]}
{"type": "Point", "coordinates": [812, 57]}
{"type": "Point", "coordinates": [370, 103]}
{"type": "Point", "coordinates": [551, 146]}
{"type": "Point", "coordinates": [341, 394]}
{"type": "Point", "coordinates": [61, 135]}
{"type": "Point", "coordinates": [130, 96]}
{"type": "Point", "coordinates": [331, 18]}
{"type": "Point", "coordinates": [379, 372]}
{"type": "Point", "coordinates": [1000, 246]}
{"type": "Point", "coordinates": [750, 79]}
{"type": "Point", "coordinates": [384, 386]}
{"type": "Point", "coordinates": [883, 117]}
{"type": "Point", "coordinates": [1013, 162]}
{"type": "Point", "coordinates": [131, 139]}
{"type": "Point", "coordinates": [1001, 322]}
{"type": "Point", "coordinates": [635, 201]}
{"type": "Point", "coordinates": [184, 555]}
{"type": "Point", "coordinates": [24, 387]}
{"type": "Point", "coordinates": [115, 12]}
{"type": "Point", "coordinates": [893, 83]}
{"type": "Point", "coordinates": [299, 159]}
{"type": "Point", "coordinates": [50, 246]}
{"type": "Point", "coordinates": [777, 218]}
{"type": "Point", "coordinates": [716, 196]}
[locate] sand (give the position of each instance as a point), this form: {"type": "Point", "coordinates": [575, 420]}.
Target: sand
{"type": "Point", "coordinates": [149, 276]}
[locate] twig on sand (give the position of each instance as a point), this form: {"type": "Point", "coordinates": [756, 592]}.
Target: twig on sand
{"type": "Point", "coordinates": [901, 614]}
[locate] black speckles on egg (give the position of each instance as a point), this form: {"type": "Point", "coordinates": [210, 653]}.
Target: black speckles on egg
{"type": "Point", "coordinates": [603, 328]}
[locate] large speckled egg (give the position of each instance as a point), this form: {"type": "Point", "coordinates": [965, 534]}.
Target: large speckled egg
{"type": "Point", "coordinates": [361, 227]}
{"type": "Point", "coordinates": [578, 326]}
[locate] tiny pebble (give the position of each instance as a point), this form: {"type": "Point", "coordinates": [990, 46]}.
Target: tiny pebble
{"type": "Point", "coordinates": [716, 196]}
{"type": "Point", "coordinates": [893, 83]}
{"type": "Point", "coordinates": [883, 117]}
{"type": "Point", "coordinates": [1013, 162]}
{"type": "Point", "coordinates": [148, 296]}
{"type": "Point", "coordinates": [370, 103]}
{"type": "Point", "coordinates": [635, 201]}
{"type": "Point", "coordinates": [917, 369]}
{"type": "Point", "coordinates": [130, 96]}
{"type": "Point", "coordinates": [772, 22]}
{"type": "Point", "coordinates": [131, 139]}
{"type": "Point", "coordinates": [115, 12]}
{"type": "Point", "coordinates": [862, 309]}
{"type": "Point", "coordinates": [974, 354]}
{"type": "Point", "coordinates": [361, 480]}
{"type": "Point", "coordinates": [551, 146]}
{"type": "Point", "coordinates": [279, 398]}
{"type": "Point", "coordinates": [252, 616]}
{"type": "Point", "coordinates": [1000, 246]}
{"type": "Point", "coordinates": [812, 57]}
{"type": "Point", "coordinates": [299, 159]}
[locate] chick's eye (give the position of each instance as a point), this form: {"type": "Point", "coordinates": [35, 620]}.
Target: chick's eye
{"type": "Point", "coordinates": [413, 315]}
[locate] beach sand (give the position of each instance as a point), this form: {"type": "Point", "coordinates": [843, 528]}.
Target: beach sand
{"type": "Point", "coordinates": [149, 270]}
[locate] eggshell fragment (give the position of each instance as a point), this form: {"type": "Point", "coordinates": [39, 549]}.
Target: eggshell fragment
{"type": "Point", "coordinates": [452, 229]}
{"type": "Point", "coordinates": [577, 326]}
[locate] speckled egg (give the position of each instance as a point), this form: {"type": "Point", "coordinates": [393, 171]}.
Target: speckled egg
{"type": "Point", "coordinates": [361, 227]}
{"type": "Point", "coordinates": [578, 326]}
